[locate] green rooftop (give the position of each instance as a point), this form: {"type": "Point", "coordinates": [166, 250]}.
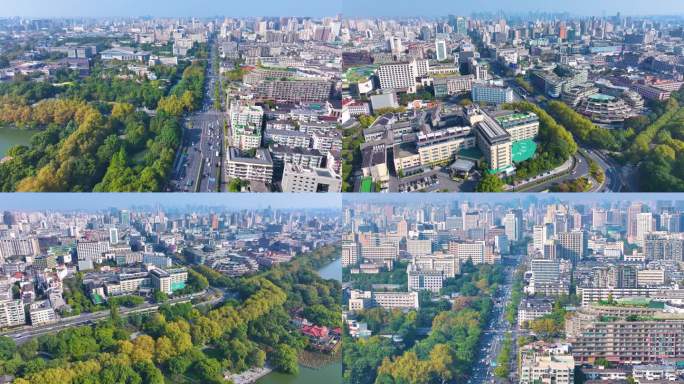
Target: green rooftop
{"type": "Point", "coordinates": [601, 97]}
{"type": "Point", "coordinates": [470, 153]}
{"type": "Point", "coordinates": [500, 170]}
{"type": "Point", "coordinates": [366, 184]}
{"type": "Point", "coordinates": [359, 74]}
{"type": "Point", "coordinates": [515, 116]}
{"type": "Point", "coordinates": [523, 150]}
{"type": "Point", "coordinates": [97, 299]}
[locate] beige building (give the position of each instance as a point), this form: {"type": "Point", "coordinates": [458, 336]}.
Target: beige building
{"type": "Point", "coordinates": [548, 369]}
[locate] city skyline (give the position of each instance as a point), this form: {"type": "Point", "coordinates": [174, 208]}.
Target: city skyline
{"type": "Point", "coordinates": [93, 201]}
{"type": "Point", "coordinates": [352, 198]}
{"type": "Point", "coordinates": [432, 8]}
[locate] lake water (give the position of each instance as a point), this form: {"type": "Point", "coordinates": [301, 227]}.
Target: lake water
{"type": "Point", "coordinates": [332, 271]}
{"type": "Point", "coordinates": [329, 374]}
{"type": "Point", "coordinates": [9, 137]}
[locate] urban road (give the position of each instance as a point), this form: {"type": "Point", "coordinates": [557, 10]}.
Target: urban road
{"type": "Point", "coordinates": [492, 338]}
{"type": "Point", "coordinates": [26, 333]}
{"type": "Point", "coordinates": [614, 179]}
{"type": "Point", "coordinates": [199, 165]}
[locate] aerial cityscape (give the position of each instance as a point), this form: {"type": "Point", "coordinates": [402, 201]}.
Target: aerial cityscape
{"type": "Point", "coordinates": [531, 102]}
{"type": "Point", "coordinates": [532, 289]}
{"type": "Point", "coordinates": [188, 105]}
{"type": "Point", "coordinates": [518, 101]}
{"type": "Point", "coordinates": [342, 192]}
{"type": "Point", "coordinates": [169, 289]}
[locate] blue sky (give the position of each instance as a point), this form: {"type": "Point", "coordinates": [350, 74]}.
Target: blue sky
{"type": "Point", "coordinates": [320, 8]}
{"type": "Point", "coordinates": [173, 8]}
{"type": "Point", "coordinates": [95, 201]}
{"type": "Point", "coordinates": [466, 7]}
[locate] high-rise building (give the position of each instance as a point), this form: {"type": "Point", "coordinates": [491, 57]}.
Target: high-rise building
{"type": "Point", "coordinates": [474, 251]}
{"type": "Point", "coordinates": [513, 225]}
{"type": "Point", "coordinates": [113, 236]}
{"type": "Point", "coordinates": [125, 218]}
{"type": "Point", "coordinates": [632, 212]}
{"type": "Point", "coordinates": [571, 245]}
{"type": "Point", "coordinates": [416, 247]}
{"type": "Point", "coordinates": [664, 246]}
{"type": "Point", "coordinates": [544, 271]}
{"type": "Point", "coordinates": [350, 253]}
{"type": "Point", "coordinates": [402, 76]}
{"type": "Point", "coordinates": [441, 49]}
{"type": "Point", "coordinates": [644, 225]}
{"type": "Point", "coordinates": [539, 237]}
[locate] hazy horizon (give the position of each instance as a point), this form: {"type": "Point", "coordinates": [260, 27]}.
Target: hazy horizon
{"type": "Point", "coordinates": [496, 198]}
{"type": "Point", "coordinates": [313, 8]}
{"type": "Point", "coordinates": [96, 201]}
{"type": "Point", "coordinates": [433, 8]}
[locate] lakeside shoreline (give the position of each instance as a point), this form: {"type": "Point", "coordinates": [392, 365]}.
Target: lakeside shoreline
{"type": "Point", "coordinates": [249, 376]}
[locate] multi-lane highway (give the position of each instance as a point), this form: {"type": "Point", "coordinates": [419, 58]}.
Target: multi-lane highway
{"type": "Point", "coordinates": [492, 338]}
{"type": "Point", "coordinates": [199, 162]}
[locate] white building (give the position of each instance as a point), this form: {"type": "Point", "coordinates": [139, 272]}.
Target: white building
{"type": "Point", "coordinates": [441, 49]}
{"type": "Point", "coordinates": [297, 178]}
{"type": "Point", "coordinates": [12, 313]}
{"type": "Point", "coordinates": [402, 76]}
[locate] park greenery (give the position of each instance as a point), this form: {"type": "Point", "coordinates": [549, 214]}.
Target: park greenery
{"type": "Point", "coordinates": [185, 342]}
{"type": "Point", "coordinates": [520, 80]}
{"type": "Point", "coordinates": [582, 128]}
{"type": "Point", "coordinates": [516, 296]}
{"type": "Point", "coordinates": [556, 144]}
{"type": "Point", "coordinates": [96, 133]}
{"type": "Point", "coordinates": [490, 182]}
{"type": "Point", "coordinates": [448, 351]}
{"type": "Point", "coordinates": [581, 184]}
{"type": "Point", "coordinates": [352, 138]}
{"type": "Point", "coordinates": [595, 171]}
{"type": "Point", "coordinates": [653, 142]}
{"type": "Point", "coordinates": [503, 361]}
{"type": "Point", "coordinates": [659, 150]}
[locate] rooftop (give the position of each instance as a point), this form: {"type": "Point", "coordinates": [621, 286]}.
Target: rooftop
{"type": "Point", "coordinates": [601, 97]}
{"type": "Point", "coordinates": [523, 150]}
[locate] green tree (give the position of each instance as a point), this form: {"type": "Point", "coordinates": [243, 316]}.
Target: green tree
{"type": "Point", "coordinates": [7, 347]}
{"type": "Point", "coordinates": [490, 183]}
{"type": "Point", "coordinates": [284, 359]}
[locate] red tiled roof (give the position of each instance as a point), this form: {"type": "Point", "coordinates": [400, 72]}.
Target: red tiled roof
{"type": "Point", "coordinates": [314, 330]}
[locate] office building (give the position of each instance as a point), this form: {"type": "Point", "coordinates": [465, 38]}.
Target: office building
{"type": "Point", "coordinates": [491, 94]}
{"type": "Point", "coordinates": [303, 179]}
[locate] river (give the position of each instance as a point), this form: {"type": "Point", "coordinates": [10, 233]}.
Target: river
{"type": "Point", "coordinates": [329, 374]}
{"type": "Point", "coordinates": [9, 137]}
